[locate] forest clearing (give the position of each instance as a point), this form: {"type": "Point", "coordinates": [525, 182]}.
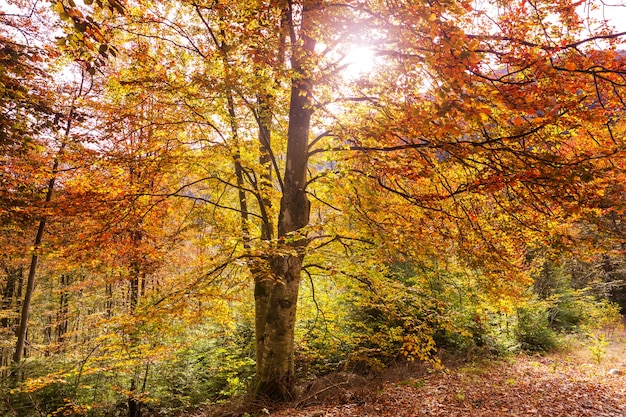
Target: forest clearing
{"type": "Point", "coordinates": [568, 383]}
{"type": "Point", "coordinates": [278, 202]}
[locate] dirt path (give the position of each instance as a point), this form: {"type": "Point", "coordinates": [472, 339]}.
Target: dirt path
{"type": "Point", "coordinates": [569, 384]}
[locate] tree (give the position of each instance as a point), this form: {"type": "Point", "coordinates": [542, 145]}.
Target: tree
{"type": "Point", "coordinates": [277, 272]}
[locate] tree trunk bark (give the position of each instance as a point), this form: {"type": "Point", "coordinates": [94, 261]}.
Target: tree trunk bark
{"type": "Point", "coordinates": [63, 312]}
{"type": "Point", "coordinates": [276, 300]}
{"type": "Point", "coordinates": [10, 294]}
{"type": "Point", "coordinates": [134, 405]}
{"type": "Point", "coordinates": [18, 354]}
{"type": "Point", "coordinates": [276, 293]}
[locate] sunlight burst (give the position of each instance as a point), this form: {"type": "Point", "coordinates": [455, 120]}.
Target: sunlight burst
{"type": "Point", "coordinates": [359, 61]}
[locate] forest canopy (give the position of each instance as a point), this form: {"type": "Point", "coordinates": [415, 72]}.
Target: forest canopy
{"type": "Point", "coordinates": [203, 198]}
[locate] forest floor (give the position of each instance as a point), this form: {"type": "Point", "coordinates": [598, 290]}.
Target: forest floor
{"type": "Point", "coordinates": [574, 383]}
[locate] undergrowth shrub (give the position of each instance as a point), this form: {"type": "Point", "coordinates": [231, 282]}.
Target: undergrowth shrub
{"type": "Point", "coordinates": [213, 365]}
{"type": "Point", "coordinates": [208, 370]}
{"type": "Point", "coordinates": [416, 314]}
{"type": "Point", "coordinates": [541, 322]}
{"type": "Point", "coordinates": [601, 315]}
{"type": "Point", "coordinates": [571, 308]}
{"type": "Point", "coordinates": [43, 393]}
{"type": "Point", "coordinates": [323, 349]}
{"type": "Point", "coordinates": [532, 331]}
{"type": "Point", "coordinates": [480, 332]}
{"type": "Point", "coordinates": [393, 321]}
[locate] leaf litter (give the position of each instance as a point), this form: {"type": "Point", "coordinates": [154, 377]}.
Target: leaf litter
{"type": "Point", "coordinates": [554, 386]}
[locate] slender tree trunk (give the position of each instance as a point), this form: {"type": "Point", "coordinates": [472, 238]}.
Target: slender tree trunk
{"type": "Point", "coordinates": [108, 289]}
{"type": "Point", "coordinates": [134, 287]}
{"type": "Point", "coordinates": [9, 296]}
{"type": "Point", "coordinates": [276, 295]}
{"type": "Point", "coordinates": [266, 161]}
{"type": "Point", "coordinates": [62, 314]}
{"type": "Point", "coordinates": [18, 354]}
{"type": "Point", "coordinates": [134, 409]}
{"type": "Point", "coordinates": [134, 405]}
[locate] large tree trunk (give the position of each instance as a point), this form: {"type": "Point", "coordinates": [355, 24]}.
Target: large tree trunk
{"type": "Point", "coordinates": [276, 290]}
{"type": "Point", "coordinates": [276, 299]}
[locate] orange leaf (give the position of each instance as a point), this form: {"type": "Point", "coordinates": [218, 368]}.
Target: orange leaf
{"type": "Point", "coordinates": [570, 66]}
